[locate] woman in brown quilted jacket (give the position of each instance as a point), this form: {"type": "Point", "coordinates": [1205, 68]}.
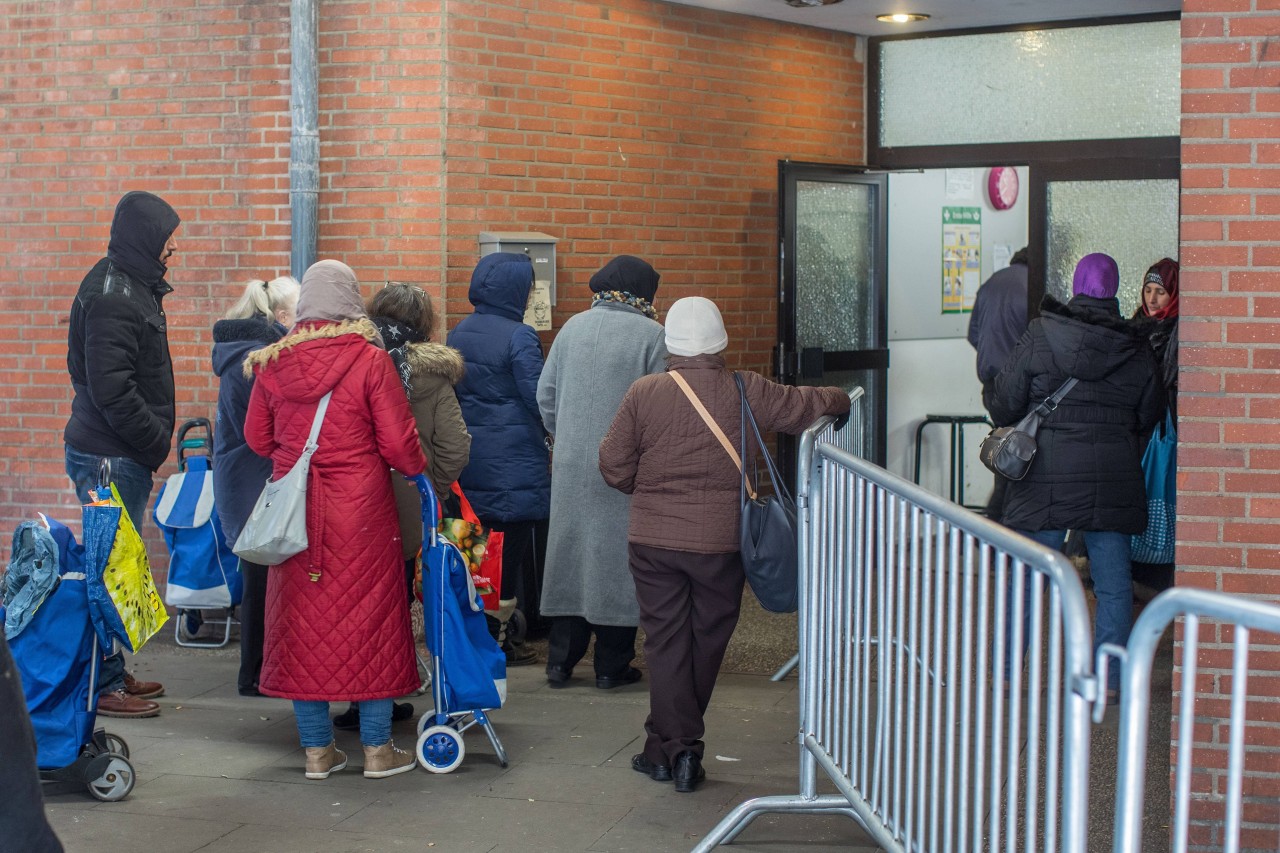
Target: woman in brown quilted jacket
{"type": "Point", "coordinates": [683, 534]}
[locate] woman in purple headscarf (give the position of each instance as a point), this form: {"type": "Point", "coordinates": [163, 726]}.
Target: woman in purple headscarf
{"type": "Point", "coordinates": [1087, 474]}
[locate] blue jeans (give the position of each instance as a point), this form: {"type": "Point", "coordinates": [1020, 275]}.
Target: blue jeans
{"type": "Point", "coordinates": [1112, 585]}
{"type": "Point", "coordinates": [316, 729]}
{"type": "Point", "coordinates": [133, 482]}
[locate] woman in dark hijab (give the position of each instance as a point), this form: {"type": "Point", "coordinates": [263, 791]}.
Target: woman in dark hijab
{"type": "Point", "coordinates": [1159, 308]}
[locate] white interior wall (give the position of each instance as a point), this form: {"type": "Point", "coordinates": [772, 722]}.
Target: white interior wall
{"type": "Point", "coordinates": [931, 365]}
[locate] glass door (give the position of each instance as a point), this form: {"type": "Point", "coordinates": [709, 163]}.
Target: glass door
{"type": "Point", "coordinates": [832, 292]}
{"type": "Point", "coordinates": [1129, 210]}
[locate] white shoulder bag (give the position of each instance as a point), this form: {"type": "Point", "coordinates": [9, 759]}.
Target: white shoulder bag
{"type": "Point", "coordinates": [277, 527]}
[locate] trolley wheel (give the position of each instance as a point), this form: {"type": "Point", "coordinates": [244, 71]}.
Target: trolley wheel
{"type": "Point", "coordinates": [189, 623]}
{"type": "Point", "coordinates": [116, 744]}
{"type": "Point", "coordinates": [109, 777]}
{"type": "Point", "coordinates": [440, 749]}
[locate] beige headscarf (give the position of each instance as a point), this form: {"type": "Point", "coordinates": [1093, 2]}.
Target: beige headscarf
{"type": "Point", "coordinates": [330, 293]}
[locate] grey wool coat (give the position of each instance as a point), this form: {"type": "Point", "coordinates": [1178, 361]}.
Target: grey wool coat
{"type": "Point", "coordinates": [593, 361]}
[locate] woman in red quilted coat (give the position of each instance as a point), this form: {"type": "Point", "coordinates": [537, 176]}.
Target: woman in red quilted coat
{"type": "Point", "coordinates": [337, 624]}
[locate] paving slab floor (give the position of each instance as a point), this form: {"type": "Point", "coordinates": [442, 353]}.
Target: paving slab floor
{"type": "Point", "coordinates": [221, 773]}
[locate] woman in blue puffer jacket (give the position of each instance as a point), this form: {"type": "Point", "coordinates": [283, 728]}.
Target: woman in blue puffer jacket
{"type": "Point", "coordinates": [508, 479]}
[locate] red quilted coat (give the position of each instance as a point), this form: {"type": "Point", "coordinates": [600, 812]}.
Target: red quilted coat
{"type": "Point", "coordinates": [345, 635]}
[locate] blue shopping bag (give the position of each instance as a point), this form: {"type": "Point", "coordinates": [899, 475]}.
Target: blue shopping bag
{"type": "Point", "coordinates": [203, 571]}
{"type": "Point", "coordinates": [54, 653]}
{"type": "Point", "coordinates": [471, 667]}
{"type": "Point", "coordinates": [1159, 470]}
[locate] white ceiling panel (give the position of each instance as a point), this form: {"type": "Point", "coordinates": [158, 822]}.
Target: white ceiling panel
{"type": "Point", "coordinates": [859, 16]}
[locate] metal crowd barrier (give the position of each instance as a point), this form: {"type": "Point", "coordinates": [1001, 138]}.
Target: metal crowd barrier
{"type": "Point", "coordinates": [1221, 813]}
{"type": "Point", "coordinates": [911, 606]}
{"type": "Point", "coordinates": [852, 436]}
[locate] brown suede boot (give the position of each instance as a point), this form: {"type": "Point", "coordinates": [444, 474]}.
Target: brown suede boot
{"type": "Point", "coordinates": [323, 760]}
{"type": "Point", "coordinates": [386, 760]}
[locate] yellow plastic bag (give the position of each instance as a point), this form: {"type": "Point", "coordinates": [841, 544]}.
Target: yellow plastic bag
{"type": "Point", "coordinates": [125, 574]}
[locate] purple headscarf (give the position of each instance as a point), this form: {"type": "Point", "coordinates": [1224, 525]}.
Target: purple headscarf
{"type": "Point", "coordinates": [1096, 275]}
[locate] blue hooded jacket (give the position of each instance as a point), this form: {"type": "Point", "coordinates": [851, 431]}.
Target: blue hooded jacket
{"type": "Point", "coordinates": [238, 473]}
{"type": "Point", "coordinates": [508, 477]}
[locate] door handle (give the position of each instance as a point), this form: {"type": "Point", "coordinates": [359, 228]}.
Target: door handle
{"type": "Point", "coordinates": [811, 363]}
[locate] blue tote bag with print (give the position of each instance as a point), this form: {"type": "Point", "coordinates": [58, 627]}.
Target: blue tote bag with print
{"type": "Point", "coordinates": [1159, 470]}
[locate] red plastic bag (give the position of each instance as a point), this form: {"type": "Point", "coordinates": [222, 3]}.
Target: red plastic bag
{"type": "Point", "coordinates": [481, 547]}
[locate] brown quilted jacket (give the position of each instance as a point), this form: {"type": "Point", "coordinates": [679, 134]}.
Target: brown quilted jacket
{"type": "Point", "coordinates": [684, 487]}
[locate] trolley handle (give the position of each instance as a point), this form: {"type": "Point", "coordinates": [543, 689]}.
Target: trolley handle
{"type": "Point", "coordinates": [183, 445]}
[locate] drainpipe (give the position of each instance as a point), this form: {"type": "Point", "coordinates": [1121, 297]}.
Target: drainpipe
{"type": "Point", "coordinates": [304, 139]}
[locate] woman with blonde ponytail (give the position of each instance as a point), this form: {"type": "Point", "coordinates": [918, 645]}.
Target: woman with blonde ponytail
{"type": "Point", "coordinates": [261, 316]}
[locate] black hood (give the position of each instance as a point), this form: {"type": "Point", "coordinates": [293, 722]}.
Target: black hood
{"type": "Point", "coordinates": [1088, 337]}
{"type": "Point", "coordinates": [141, 226]}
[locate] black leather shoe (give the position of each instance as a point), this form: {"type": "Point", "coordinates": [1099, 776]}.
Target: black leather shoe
{"type": "Point", "coordinates": [656, 772]}
{"type": "Point", "coordinates": [558, 677]}
{"type": "Point", "coordinates": [688, 772]}
{"type": "Point", "coordinates": [630, 675]}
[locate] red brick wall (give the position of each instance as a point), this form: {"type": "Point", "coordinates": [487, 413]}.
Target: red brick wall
{"type": "Point", "coordinates": [634, 126]}
{"type": "Point", "coordinates": [644, 128]}
{"type": "Point", "coordinates": [1229, 453]}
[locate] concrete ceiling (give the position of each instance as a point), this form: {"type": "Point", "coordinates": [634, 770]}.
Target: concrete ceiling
{"type": "Point", "coordinates": [859, 16]}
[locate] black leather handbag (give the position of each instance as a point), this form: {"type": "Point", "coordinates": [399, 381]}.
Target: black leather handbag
{"type": "Point", "coordinates": [1009, 451]}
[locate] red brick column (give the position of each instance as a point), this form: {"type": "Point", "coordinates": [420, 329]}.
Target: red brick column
{"type": "Point", "coordinates": [1229, 456]}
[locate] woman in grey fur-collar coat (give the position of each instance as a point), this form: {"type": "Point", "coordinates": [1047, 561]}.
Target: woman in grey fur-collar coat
{"type": "Point", "coordinates": [587, 586]}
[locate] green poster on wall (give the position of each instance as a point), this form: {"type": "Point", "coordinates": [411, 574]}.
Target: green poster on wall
{"type": "Point", "coordinates": [961, 258]}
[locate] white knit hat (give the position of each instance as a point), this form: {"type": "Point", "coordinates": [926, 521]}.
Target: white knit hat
{"type": "Point", "coordinates": [694, 327]}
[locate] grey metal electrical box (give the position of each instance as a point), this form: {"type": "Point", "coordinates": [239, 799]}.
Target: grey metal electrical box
{"type": "Point", "coordinates": [541, 248]}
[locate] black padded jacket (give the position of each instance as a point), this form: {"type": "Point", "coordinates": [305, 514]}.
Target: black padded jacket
{"type": "Point", "coordinates": [118, 344]}
{"type": "Point", "coordinates": [1087, 474]}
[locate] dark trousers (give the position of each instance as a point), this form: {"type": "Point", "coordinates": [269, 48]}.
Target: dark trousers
{"type": "Point", "coordinates": [253, 610]}
{"type": "Point", "coordinates": [615, 645]}
{"type": "Point", "coordinates": [688, 608]}
{"type": "Point", "coordinates": [524, 547]}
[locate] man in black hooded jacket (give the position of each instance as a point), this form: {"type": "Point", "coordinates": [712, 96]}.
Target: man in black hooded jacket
{"type": "Point", "coordinates": [122, 377]}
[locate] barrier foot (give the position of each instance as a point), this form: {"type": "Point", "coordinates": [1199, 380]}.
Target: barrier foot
{"type": "Point", "coordinates": [740, 818]}
{"type": "Point", "coordinates": [786, 668]}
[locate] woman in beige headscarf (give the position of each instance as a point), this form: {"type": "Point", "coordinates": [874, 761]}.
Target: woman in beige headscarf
{"type": "Point", "coordinates": [337, 624]}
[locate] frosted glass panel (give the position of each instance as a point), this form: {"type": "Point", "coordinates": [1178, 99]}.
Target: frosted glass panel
{"type": "Point", "coordinates": [1107, 82]}
{"type": "Point", "coordinates": [1135, 222]}
{"type": "Point", "coordinates": [835, 233]}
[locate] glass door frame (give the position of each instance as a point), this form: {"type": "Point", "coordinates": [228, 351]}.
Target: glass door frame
{"type": "Point", "coordinates": [1078, 159]}
{"type": "Point", "coordinates": [1077, 171]}
{"type": "Point", "coordinates": [790, 365]}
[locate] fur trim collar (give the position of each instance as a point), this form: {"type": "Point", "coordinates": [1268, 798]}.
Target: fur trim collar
{"type": "Point", "coordinates": [260, 358]}
{"type": "Point", "coordinates": [425, 358]}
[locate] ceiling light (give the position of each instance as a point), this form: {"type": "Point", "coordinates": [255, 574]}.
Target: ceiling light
{"type": "Point", "coordinates": [902, 18]}
{"type": "Point", "coordinates": [801, 4]}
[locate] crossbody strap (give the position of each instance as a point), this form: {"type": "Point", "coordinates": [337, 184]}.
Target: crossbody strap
{"type": "Point", "coordinates": [316, 422]}
{"type": "Point", "coordinates": [1051, 402]}
{"type": "Point", "coordinates": [714, 427]}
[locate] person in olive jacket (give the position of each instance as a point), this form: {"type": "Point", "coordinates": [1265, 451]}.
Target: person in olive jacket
{"type": "Point", "coordinates": [683, 529]}
{"type": "Point", "coordinates": [1087, 474]}
{"type": "Point", "coordinates": [122, 378]}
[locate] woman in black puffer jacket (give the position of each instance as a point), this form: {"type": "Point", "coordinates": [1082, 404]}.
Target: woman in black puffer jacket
{"type": "Point", "coordinates": [1087, 474]}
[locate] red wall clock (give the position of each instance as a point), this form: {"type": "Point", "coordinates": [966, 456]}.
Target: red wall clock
{"type": "Point", "coordinates": [1002, 187]}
